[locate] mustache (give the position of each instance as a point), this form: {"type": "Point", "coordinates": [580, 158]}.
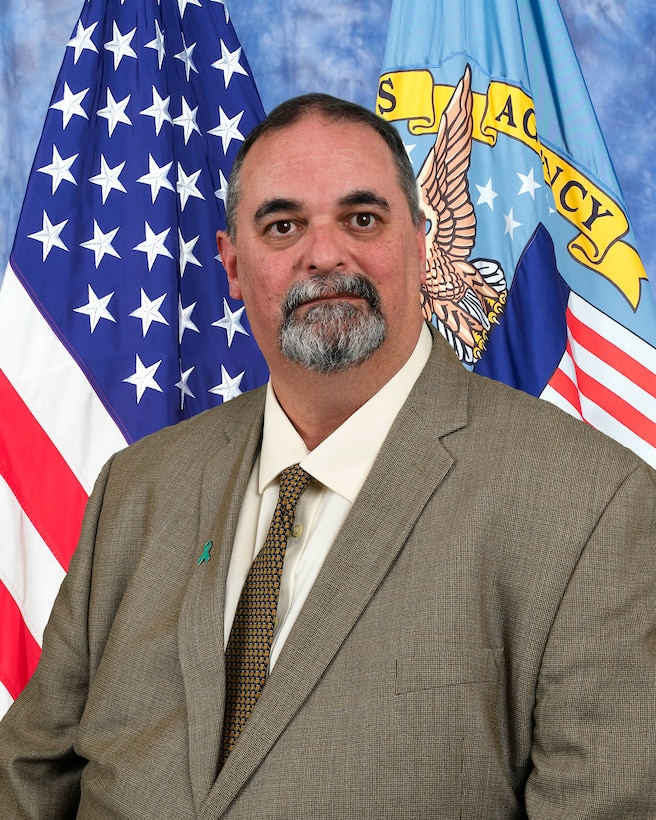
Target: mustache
{"type": "Point", "coordinates": [335, 284]}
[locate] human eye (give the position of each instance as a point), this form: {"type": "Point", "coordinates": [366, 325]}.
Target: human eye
{"type": "Point", "coordinates": [363, 220]}
{"type": "Point", "coordinates": [281, 227]}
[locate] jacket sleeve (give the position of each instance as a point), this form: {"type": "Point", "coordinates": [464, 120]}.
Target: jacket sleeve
{"type": "Point", "coordinates": [39, 769]}
{"type": "Point", "coordinates": [594, 742]}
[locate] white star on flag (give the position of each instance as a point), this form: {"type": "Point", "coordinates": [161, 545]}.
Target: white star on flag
{"type": "Point", "coordinates": [529, 185]}
{"type": "Point", "coordinates": [225, 9]}
{"type": "Point", "coordinates": [486, 194]}
{"type": "Point", "coordinates": [49, 235]}
{"type": "Point", "coordinates": [156, 177]}
{"type": "Point", "coordinates": [114, 112]}
{"type": "Point", "coordinates": [186, 186]}
{"type": "Point", "coordinates": [70, 105]}
{"type": "Point", "coordinates": [149, 311]}
{"type": "Point", "coordinates": [511, 224]}
{"type": "Point", "coordinates": [153, 245]}
{"type": "Point", "coordinates": [222, 191]}
{"type": "Point", "coordinates": [120, 45]}
{"type": "Point", "coordinates": [131, 106]}
{"type": "Point", "coordinates": [59, 169]}
{"type": "Point", "coordinates": [108, 178]}
{"type": "Point", "coordinates": [227, 129]}
{"type": "Point", "coordinates": [229, 63]}
{"type": "Point", "coordinates": [230, 322]}
{"type": "Point", "coordinates": [82, 40]}
{"type": "Point", "coordinates": [229, 387]}
{"type": "Point", "coordinates": [187, 120]}
{"type": "Point", "coordinates": [101, 243]}
{"type": "Point", "coordinates": [186, 256]}
{"type": "Point", "coordinates": [183, 386]}
{"type": "Point", "coordinates": [159, 110]}
{"type": "Point", "coordinates": [186, 56]}
{"type": "Point", "coordinates": [184, 319]}
{"type": "Point", "coordinates": [182, 6]}
{"type": "Point", "coordinates": [158, 44]}
{"type": "Point", "coordinates": [144, 378]}
{"type": "Point", "coordinates": [96, 308]}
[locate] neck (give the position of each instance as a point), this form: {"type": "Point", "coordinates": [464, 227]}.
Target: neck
{"type": "Point", "coordinates": [318, 403]}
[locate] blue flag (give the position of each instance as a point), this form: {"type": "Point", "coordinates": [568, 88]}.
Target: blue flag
{"type": "Point", "coordinates": [115, 318]}
{"type": "Point", "coordinates": [533, 273]}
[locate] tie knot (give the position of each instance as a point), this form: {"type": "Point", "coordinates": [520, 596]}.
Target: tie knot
{"type": "Point", "coordinates": [293, 481]}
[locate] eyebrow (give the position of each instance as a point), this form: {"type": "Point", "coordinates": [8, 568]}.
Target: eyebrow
{"type": "Point", "coordinates": [274, 206]}
{"type": "Point", "coordinates": [352, 200]}
{"type": "Point", "coordinates": [364, 197]}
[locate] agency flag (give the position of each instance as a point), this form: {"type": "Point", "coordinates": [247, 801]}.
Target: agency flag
{"type": "Point", "coordinates": [115, 319]}
{"type": "Point", "coordinates": [533, 273]}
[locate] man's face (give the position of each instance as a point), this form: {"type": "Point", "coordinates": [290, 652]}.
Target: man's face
{"type": "Point", "coordinates": [326, 256]}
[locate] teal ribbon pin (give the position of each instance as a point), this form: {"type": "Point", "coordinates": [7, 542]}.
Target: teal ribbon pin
{"type": "Point", "coordinates": [205, 556]}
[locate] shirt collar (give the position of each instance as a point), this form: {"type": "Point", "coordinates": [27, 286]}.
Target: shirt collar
{"type": "Point", "coordinates": [343, 460]}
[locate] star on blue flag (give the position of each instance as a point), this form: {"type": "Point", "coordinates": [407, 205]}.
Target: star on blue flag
{"type": "Point", "coordinates": [119, 222]}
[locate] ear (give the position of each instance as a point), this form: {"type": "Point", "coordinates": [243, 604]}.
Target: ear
{"type": "Point", "coordinates": [229, 260]}
{"type": "Point", "coordinates": [421, 248]}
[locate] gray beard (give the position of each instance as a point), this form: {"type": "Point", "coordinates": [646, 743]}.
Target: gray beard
{"type": "Point", "coordinates": [331, 336]}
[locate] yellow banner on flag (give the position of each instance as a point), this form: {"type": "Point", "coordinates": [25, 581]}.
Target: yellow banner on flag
{"type": "Point", "coordinates": [506, 109]}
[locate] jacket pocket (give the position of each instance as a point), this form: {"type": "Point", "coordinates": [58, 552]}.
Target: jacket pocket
{"type": "Point", "coordinates": [445, 668]}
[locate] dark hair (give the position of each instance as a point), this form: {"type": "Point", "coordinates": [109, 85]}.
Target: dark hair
{"type": "Point", "coordinates": [292, 111]}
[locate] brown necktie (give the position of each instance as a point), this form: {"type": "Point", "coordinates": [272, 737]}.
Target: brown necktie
{"type": "Point", "coordinates": [249, 645]}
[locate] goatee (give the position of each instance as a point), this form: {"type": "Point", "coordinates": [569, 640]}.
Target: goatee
{"type": "Point", "coordinates": [332, 335]}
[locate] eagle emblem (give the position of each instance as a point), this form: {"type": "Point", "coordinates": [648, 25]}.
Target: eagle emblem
{"type": "Point", "coordinates": [463, 297]}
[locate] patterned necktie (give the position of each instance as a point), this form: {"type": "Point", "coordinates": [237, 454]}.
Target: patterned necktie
{"type": "Point", "coordinates": [249, 645]}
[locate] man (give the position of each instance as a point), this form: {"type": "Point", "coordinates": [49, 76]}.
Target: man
{"type": "Point", "coordinates": [466, 620]}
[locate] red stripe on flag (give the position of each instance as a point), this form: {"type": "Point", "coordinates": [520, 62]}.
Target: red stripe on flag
{"type": "Point", "coordinates": [19, 652]}
{"type": "Point", "coordinates": [46, 488]}
{"type": "Point", "coordinates": [615, 406]}
{"type": "Point", "coordinates": [564, 386]}
{"type": "Point", "coordinates": [611, 354]}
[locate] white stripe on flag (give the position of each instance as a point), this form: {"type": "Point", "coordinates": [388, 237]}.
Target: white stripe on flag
{"type": "Point", "coordinates": [614, 380]}
{"type": "Point", "coordinates": [30, 572]}
{"type": "Point", "coordinates": [39, 367]}
{"type": "Point", "coordinates": [590, 363]}
{"type": "Point", "coordinates": [554, 397]}
{"type": "Point", "coordinates": [566, 366]}
{"type": "Point", "coordinates": [609, 425]}
{"type": "Point", "coordinates": [620, 336]}
{"type": "Point", "coordinates": [5, 700]}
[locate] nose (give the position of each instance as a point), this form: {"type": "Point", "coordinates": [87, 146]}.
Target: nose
{"type": "Point", "coordinates": [324, 250]}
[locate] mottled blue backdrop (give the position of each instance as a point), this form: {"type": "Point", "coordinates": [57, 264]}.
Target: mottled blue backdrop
{"type": "Point", "coordinates": [337, 46]}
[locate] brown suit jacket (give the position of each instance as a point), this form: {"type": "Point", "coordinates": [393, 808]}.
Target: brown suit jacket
{"type": "Point", "coordinates": [480, 642]}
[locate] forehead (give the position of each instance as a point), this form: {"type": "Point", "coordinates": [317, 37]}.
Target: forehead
{"type": "Point", "coordinates": [316, 156]}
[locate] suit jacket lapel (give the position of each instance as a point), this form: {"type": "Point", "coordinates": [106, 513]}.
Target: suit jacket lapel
{"type": "Point", "coordinates": [385, 513]}
{"type": "Point", "coordinates": [200, 631]}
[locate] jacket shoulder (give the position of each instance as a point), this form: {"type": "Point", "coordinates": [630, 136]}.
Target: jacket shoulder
{"type": "Point", "coordinates": [189, 443]}
{"type": "Point", "coordinates": [536, 431]}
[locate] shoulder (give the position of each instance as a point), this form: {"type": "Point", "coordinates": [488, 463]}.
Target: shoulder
{"type": "Point", "coordinates": [550, 469]}
{"type": "Point", "coordinates": [230, 418]}
{"type": "Point", "coordinates": [539, 429]}
{"type": "Point", "coordinates": [193, 442]}
{"type": "Point", "coordinates": [504, 435]}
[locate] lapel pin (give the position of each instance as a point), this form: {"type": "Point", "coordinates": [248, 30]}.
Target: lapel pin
{"type": "Point", "coordinates": [205, 556]}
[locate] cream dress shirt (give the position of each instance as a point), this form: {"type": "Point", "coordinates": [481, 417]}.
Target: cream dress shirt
{"type": "Point", "coordinates": [339, 467]}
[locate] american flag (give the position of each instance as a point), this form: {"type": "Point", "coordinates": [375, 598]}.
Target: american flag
{"type": "Point", "coordinates": [607, 377]}
{"type": "Point", "coordinates": [115, 318]}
